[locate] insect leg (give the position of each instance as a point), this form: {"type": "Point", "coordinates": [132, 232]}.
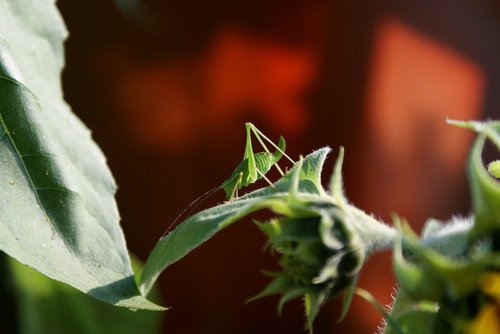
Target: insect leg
{"type": "Point", "coordinates": [265, 178]}
{"type": "Point", "coordinates": [238, 185]}
{"type": "Point", "coordinates": [259, 133]}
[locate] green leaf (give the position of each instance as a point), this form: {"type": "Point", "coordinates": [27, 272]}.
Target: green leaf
{"type": "Point", "coordinates": [312, 304]}
{"type": "Point", "coordinates": [310, 313]}
{"type": "Point", "coordinates": [413, 281]}
{"type": "Point", "coordinates": [57, 208]}
{"type": "Point", "coordinates": [393, 324]}
{"type": "Point", "coordinates": [48, 306]}
{"type": "Point", "coordinates": [485, 187]}
{"type": "Point", "coordinates": [336, 182]}
{"type": "Point", "coordinates": [414, 322]}
{"type": "Point", "coordinates": [485, 192]}
{"type": "Point", "coordinates": [432, 275]}
{"type": "Point", "coordinates": [411, 316]}
{"type": "Point", "coordinates": [291, 294]}
{"type": "Point", "coordinates": [200, 227]}
{"type": "Point", "coordinates": [347, 300]}
{"type": "Point", "coordinates": [279, 285]}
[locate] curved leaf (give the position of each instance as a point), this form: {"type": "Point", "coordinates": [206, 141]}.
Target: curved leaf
{"type": "Point", "coordinates": [57, 208]}
{"type": "Point", "coordinates": [485, 191]}
{"type": "Point", "coordinates": [484, 186]}
{"type": "Point", "coordinates": [416, 321]}
{"type": "Point", "coordinates": [412, 316]}
{"type": "Point", "coordinates": [42, 303]}
{"type": "Point", "coordinates": [389, 319]}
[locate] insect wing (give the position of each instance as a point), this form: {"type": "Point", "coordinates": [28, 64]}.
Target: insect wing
{"type": "Point", "coordinates": [281, 151]}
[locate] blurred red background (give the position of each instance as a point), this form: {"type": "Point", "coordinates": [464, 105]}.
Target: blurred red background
{"type": "Point", "coordinates": [166, 88]}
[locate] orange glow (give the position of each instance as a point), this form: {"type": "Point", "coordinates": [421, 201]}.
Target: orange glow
{"type": "Point", "coordinates": [238, 77]}
{"type": "Point", "coordinates": [246, 71]}
{"type": "Point", "coordinates": [417, 82]}
{"type": "Point", "coordinates": [414, 158]}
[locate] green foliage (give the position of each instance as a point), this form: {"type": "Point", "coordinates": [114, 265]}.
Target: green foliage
{"type": "Point", "coordinates": [311, 267]}
{"type": "Point", "coordinates": [485, 187]}
{"type": "Point", "coordinates": [414, 321]}
{"type": "Point", "coordinates": [57, 208]}
{"type": "Point", "coordinates": [48, 306]}
{"type": "Point", "coordinates": [393, 325]}
{"type": "Point", "coordinates": [58, 215]}
{"type": "Point", "coordinates": [322, 242]}
{"type": "Point", "coordinates": [446, 266]}
{"type": "Point", "coordinates": [410, 316]}
{"type": "Point", "coordinates": [200, 227]}
{"type": "Point", "coordinates": [321, 239]}
{"type": "Point", "coordinates": [431, 275]}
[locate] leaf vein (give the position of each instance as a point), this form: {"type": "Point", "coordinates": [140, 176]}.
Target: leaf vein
{"type": "Point", "coordinates": [19, 154]}
{"type": "Point", "coordinates": [64, 190]}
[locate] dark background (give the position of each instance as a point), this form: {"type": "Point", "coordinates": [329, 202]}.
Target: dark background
{"type": "Point", "coordinates": [166, 87]}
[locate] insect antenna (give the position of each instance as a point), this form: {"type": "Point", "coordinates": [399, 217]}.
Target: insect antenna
{"type": "Point", "coordinates": [191, 207]}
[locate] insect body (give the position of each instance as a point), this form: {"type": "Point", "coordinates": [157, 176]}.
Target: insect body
{"type": "Point", "coordinates": [245, 175]}
{"type": "Point", "coordinates": [254, 166]}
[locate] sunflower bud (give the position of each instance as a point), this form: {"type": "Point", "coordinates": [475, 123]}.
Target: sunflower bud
{"type": "Point", "coordinates": [316, 252]}
{"type": "Point", "coordinates": [320, 255]}
{"type": "Point", "coordinates": [322, 243]}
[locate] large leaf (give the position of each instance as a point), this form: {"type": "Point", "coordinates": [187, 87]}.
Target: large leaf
{"type": "Point", "coordinates": [48, 306]}
{"type": "Point", "coordinates": [57, 208]}
{"type": "Point", "coordinates": [200, 227]}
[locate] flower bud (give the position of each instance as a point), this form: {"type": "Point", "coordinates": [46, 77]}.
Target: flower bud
{"type": "Point", "coordinates": [320, 255]}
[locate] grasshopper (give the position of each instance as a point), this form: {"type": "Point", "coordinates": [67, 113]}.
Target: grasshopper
{"type": "Point", "coordinates": [254, 165]}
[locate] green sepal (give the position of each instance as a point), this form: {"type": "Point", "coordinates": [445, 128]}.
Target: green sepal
{"type": "Point", "coordinates": [312, 304]}
{"type": "Point", "coordinates": [414, 321]}
{"type": "Point", "coordinates": [279, 285]}
{"type": "Point", "coordinates": [271, 229]}
{"type": "Point", "coordinates": [405, 308]}
{"type": "Point", "coordinates": [484, 186]}
{"type": "Point", "coordinates": [412, 279]}
{"type": "Point", "coordinates": [347, 300]}
{"type": "Point", "coordinates": [432, 275]}
{"type": "Point", "coordinates": [292, 294]}
{"type": "Point", "coordinates": [283, 285]}
{"type": "Point", "coordinates": [336, 182]}
{"type": "Point", "coordinates": [393, 324]}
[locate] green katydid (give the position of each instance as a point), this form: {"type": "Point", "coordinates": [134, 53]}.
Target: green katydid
{"type": "Point", "coordinates": [254, 165]}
